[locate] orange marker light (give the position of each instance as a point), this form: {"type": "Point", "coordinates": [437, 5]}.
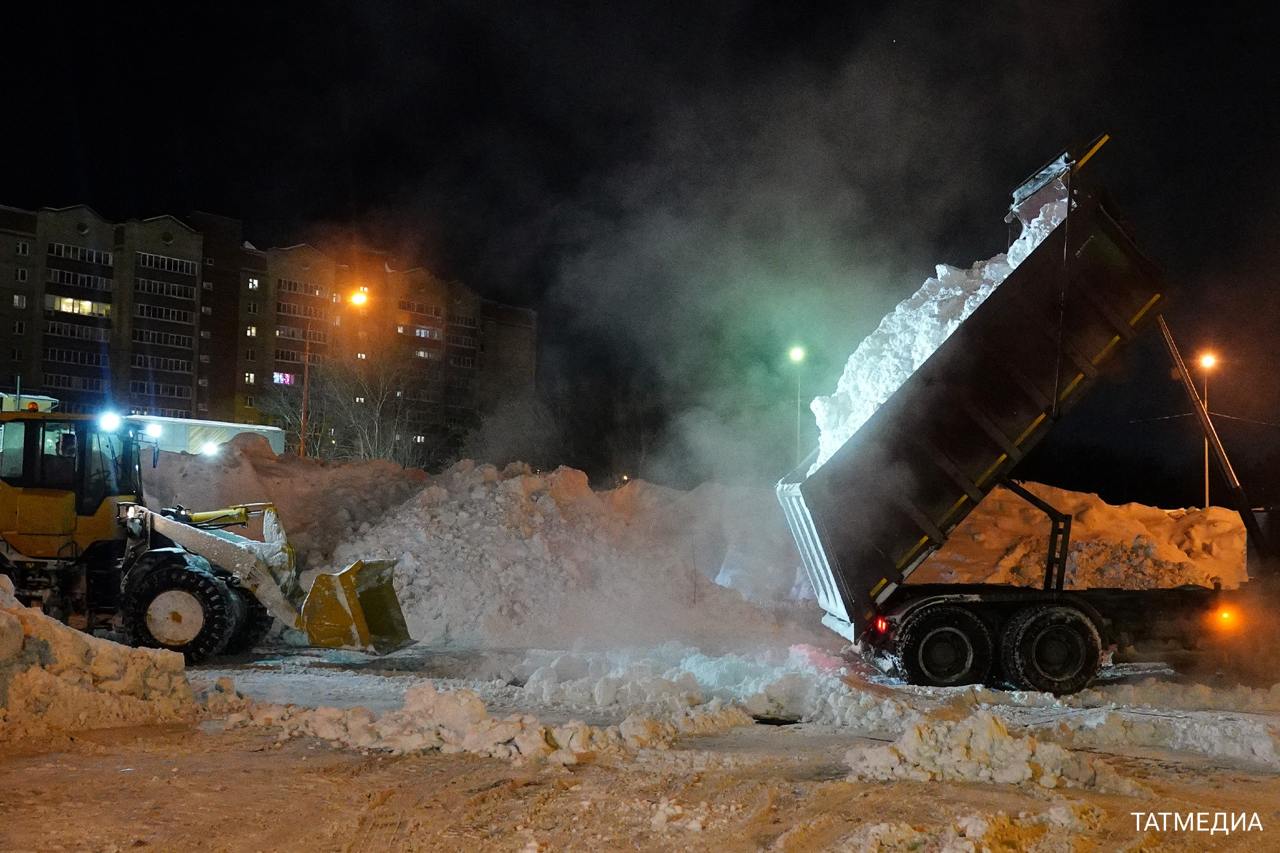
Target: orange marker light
{"type": "Point", "coordinates": [1225, 619]}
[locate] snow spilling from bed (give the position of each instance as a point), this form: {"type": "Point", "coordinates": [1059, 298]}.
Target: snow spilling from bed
{"type": "Point", "coordinates": [55, 679]}
{"type": "Point", "coordinates": [920, 324]}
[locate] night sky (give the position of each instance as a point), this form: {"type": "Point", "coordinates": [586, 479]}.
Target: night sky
{"type": "Point", "coordinates": [684, 190]}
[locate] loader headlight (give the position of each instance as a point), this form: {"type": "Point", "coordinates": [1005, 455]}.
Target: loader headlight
{"type": "Point", "coordinates": [209, 449]}
{"type": "Point", "coordinates": [109, 422]}
{"type": "Point", "coordinates": [153, 430]}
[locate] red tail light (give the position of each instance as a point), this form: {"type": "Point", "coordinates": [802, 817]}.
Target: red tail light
{"type": "Point", "coordinates": [881, 625]}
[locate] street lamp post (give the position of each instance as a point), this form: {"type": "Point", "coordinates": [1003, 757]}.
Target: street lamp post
{"type": "Point", "coordinates": [358, 298]}
{"type": "Point", "coordinates": [797, 356]}
{"type": "Point", "coordinates": [1207, 362]}
{"type": "Point", "coordinates": [306, 385]}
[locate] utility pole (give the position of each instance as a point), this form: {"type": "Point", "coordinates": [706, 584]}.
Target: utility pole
{"type": "Point", "coordinates": [306, 385]}
{"type": "Point", "coordinates": [1207, 362]}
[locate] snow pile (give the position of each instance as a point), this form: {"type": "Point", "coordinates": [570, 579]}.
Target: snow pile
{"type": "Point", "coordinates": [56, 679]}
{"type": "Point", "coordinates": [457, 721]}
{"type": "Point", "coordinates": [491, 558]}
{"type": "Point", "coordinates": [321, 504]}
{"type": "Point", "coordinates": [1153, 693]}
{"type": "Point", "coordinates": [979, 748]}
{"type": "Point", "coordinates": [920, 324]}
{"type": "Point", "coordinates": [1132, 546]}
{"type": "Point", "coordinates": [1236, 737]}
{"type": "Point", "coordinates": [804, 685]}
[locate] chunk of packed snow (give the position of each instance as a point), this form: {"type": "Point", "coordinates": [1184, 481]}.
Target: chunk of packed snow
{"type": "Point", "coordinates": [55, 679]}
{"type": "Point", "coordinates": [979, 748]}
{"type": "Point", "coordinates": [922, 322]}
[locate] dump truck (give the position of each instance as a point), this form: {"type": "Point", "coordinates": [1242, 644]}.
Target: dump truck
{"type": "Point", "coordinates": [77, 541]}
{"type": "Point", "coordinates": [889, 497]}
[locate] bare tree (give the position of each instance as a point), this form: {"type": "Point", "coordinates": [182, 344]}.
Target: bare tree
{"type": "Point", "coordinates": [366, 411]}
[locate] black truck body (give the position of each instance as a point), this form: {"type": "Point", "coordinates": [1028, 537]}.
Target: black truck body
{"type": "Point", "coordinates": [953, 431]}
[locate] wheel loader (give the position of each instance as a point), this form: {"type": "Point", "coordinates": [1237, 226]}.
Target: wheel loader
{"type": "Point", "coordinates": [78, 542]}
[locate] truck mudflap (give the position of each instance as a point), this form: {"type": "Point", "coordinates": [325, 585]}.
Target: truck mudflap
{"type": "Point", "coordinates": [888, 498]}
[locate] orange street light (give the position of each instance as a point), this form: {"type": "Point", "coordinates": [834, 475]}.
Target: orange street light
{"type": "Point", "coordinates": [359, 297]}
{"type": "Point", "coordinates": [1208, 361]}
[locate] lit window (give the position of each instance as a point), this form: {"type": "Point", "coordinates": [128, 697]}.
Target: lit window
{"type": "Point", "coordinates": [250, 331]}
{"type": "Point", "coordinates": [282, 378]}
{"type": "Point", "coordinates": [361, 356]}
{"type": "Point", "coordinates": [19, 300]}
{"type": "Point", "coordinates": [248, 378]}
{"type": "Point", "coordinates": [419, 439]}
{"type": "Point", "coordinates": [359, 399]}
{"type": "Point", "coordinates": [253, 284]}
{"type": "Point", "coordinates": [422, 354]}
{"type": "Point", "coordinates": [399, 330]}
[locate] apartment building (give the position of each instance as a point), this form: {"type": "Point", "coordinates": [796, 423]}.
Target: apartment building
{"type": "Point", "coordinates": [183, 317]}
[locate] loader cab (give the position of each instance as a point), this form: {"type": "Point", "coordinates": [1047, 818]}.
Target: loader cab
{"type": "Point", "coordinates": [61, 477]}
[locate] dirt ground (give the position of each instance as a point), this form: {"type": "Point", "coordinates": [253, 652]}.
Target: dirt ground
{"type": "Point", "coordinates": [763, 787]}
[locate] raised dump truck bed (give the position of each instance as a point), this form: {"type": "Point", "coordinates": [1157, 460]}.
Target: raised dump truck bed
{"type": "Point", "coordinates": [890, 496]}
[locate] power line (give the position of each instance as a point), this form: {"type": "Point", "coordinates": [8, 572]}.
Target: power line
{"type": "Point", "coordinates": [1212, 414]}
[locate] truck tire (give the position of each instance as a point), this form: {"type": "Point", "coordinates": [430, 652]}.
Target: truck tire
{"type": "Point", "coordinates": [1051, 648]}
{"type": "Point", "coordinates": [182, 608]}
{"type": "Point", "coordinates": [944, 646]}
{"type": "Point", "coordinates": [254, 624]}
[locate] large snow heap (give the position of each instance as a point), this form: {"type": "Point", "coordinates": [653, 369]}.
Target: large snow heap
{"type": "Point", "coordinates": [920, 324]}
{"type": "Point", "coordinates": [1131, 546]}
{"type": "Point", "coordinates": [321, 504]}
{"type": "Point", "coordinates": [512, 557]}
{"type": "Point", "coordinates": [489, 557]}
{"type": "Point", "coordinates": [56, 679]}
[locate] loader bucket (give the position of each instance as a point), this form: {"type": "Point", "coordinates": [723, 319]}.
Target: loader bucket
{"type": "Point", "coordinates": [356, 608]}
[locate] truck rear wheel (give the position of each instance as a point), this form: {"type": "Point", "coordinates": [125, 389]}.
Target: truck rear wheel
{"type": "Point", "coordinates": [943, 646]}
{"type": "Point", "coordinates": [255, 623]}
{"type": "Point", "coordinates": [182, 608]}
{"type": "Point", "coordinates": [1051, 648]}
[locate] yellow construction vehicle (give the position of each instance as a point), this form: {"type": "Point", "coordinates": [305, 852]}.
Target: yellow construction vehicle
{"type": "Point", "coordinates": [78, 542]}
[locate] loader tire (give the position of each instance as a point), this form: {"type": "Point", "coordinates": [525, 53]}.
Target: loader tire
{"type": "Point", "coordinates": [1050, 649]}
{"type": "Point", "coordinates": [182, 608]}
{"type": "Point", "coordinates": [254, 624]}
{"type": "Point", "coordinates": [944, 646]}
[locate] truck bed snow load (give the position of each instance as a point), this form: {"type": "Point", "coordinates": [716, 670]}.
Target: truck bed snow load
{"type": "Point", "coordinates": [892, 493]}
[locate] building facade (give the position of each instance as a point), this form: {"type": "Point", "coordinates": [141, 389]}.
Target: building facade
{"type": "Point", "coordinates": [182, 317]}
